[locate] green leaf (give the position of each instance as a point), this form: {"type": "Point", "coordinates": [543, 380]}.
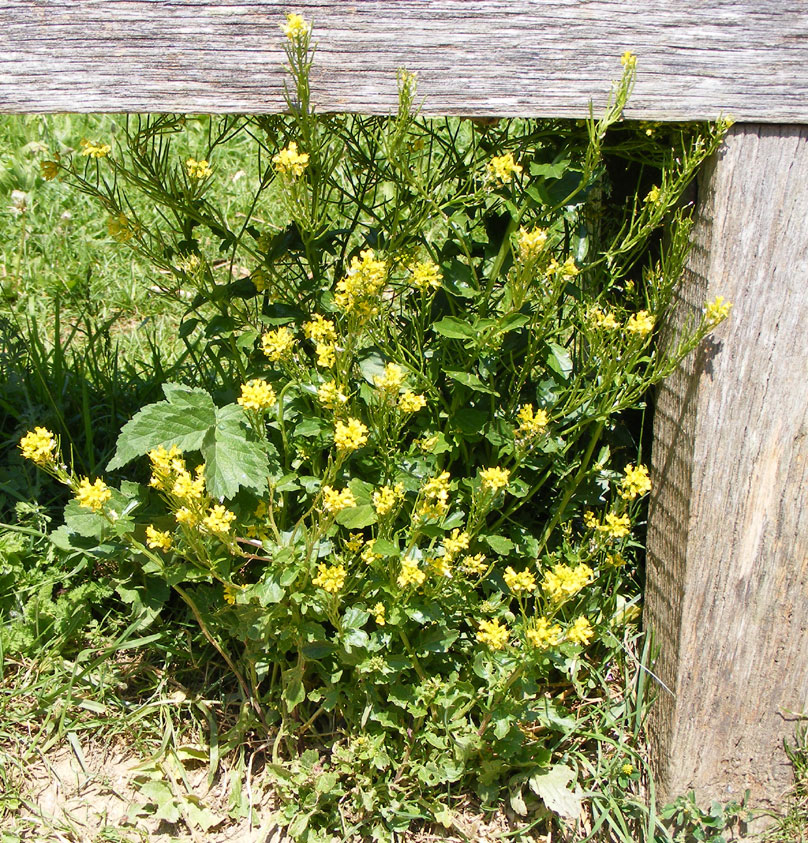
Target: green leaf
{"type": "Point", "coordinates": [183, 419]}
{"type": "Point", "coordinates": [552, 788]}
{"type": "Point", "coordinates": [470, 380]}
{"type": "Point", "coordinates": [293, 691]}
{"type": "Point", "coordinates": [558, 359]}
{"type": "Point", "coordinates": [232, 458]}
{"type": "Point", "coordinates": [455, 328]}
{"type": "Point", "coordinates": [499, 544]}
{"type": "Point", "coordinates": [357, 517]}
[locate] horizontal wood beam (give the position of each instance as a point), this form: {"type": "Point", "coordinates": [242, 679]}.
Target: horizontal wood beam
{"type": "Point", "coordinates": [544, 58]}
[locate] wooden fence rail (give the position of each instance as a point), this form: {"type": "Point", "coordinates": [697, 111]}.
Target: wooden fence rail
{"type": "Point", "coordinates": [728, 531]}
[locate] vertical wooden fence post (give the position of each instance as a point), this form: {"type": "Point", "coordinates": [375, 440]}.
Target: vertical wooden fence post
{"type": "Point", "coordinates": [727, 594]}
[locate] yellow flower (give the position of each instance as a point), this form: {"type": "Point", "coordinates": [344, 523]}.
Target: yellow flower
{"type": "Point", "coordinates": [325, 354]}
{"type": "Point", "coordinates": [93, 495]}
{"type": "Point", "coordinates": [330, 578]}
{"type": "Point", "coordinates": [581, 631]}
{"type": "Point", "coordinates": [493, 633]}
{"type": "Point", "coordinates": [290, 162]}
{"type": "Point", "coordinates": [627, 769]}
{"type": "Point", "coordinates": [493, 479]}
{"type": "Point", "coordinates": [278, 343]}
{"type": "Point", "coordinates": [531, 422]}
{"type": "Point", "coordinates": [330, 396]}
{"type": "Point", "coordinates": [187, 488]}
{"type": "Point", "coordinates": [158, 538]}
{"type": "Point", "coordinates": [636, 482]}
{"type": "Point", "coordinates": [458, 541]}
{"type": "Point", "coordinates": [335, 501]}
{"type": "Point", "coordinates": [229, 593]}
{"type": "Point", "coordinates": [603, 320]}
{"type": "Point", "coordinates": [641, 323]}
{"type": "Point", "coordinates": [563, 582]}
{"type": "Point", "coordinates": [410, 573]}
{"type": "Point", "coordinates": [653, 196]}
{"type": "Point", "coordinates": [219, 519]}
{"type": "Point", "coordinates": [350, 435]}
{"type": "Point", "coordinates": [198, 169]}
{"type": "Point", "coordinates": [39, 446]}
{"type": "Point", "coordinates": [717, 310]}
{"type": "Point", "coordinates": [186, 516]}
{"type": "Point", "coordinates": [567, 270]}
{"type": "Point", "coordinates": [615, 525]}
{"type": "Point", "coordinates": [358, 292]}
{"type": "Point", "coordinates": [189, 264]}
{"type": "Point", "coordinates": [521, 582]}
{"type": "Point", "coordinates": [379, 614]}
{"type": "Point", "coordinates": [474, 565]}
{"type": "Point", "coordinates": [427, 443]}
{"type": "Point", "coordinates": [49, 169]}
{"type": "Point", "coordinates": [426, 275]}
{"type": "Point", "coordinates": [386, 497]}
{"type": "Point", "coordinates": [411, 403]}
{"type": "Point", "coordinates": [543, 634]}
{"type": "Point", "coordinates": [92, 149]}
{"type": "Point", "coordinates": [628, 59]}
{"type": "Point", "coordinates": [368, 556]}
{"type": "Point", "coordinates": [296, 26]}
{"type": "Point", "coordinates": [616, 560]}
{"type": "Point", "coordinates": [441, 565]}
{"type": "Point", "coordinates": [502, 168]}
{"type": "Point", "coordinates": [531, 243]}
{"type": "Point", "coordinates": [391, 380]}
{"type": "Point", "coordinates": [121, 228]}
{"type": "Point", "coordinates": [257, 394]}
{"type": "Point", "coordinates": [435, 497]}
{"type": "Point", "coordinates": [320, 330]}
{"type": "Point", "coordinates": [354, 542]}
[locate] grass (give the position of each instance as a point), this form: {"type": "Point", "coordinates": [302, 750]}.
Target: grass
{"type": "Point", "coordinates": [99, 703]}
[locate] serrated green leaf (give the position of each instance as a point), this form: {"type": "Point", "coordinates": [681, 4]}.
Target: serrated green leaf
{"type": "Point", "coordinates": [357, 517]}
{"type": "Point", "coordinates": [232, 458]}
{"type": "Point", "coordinates": [183, 419]}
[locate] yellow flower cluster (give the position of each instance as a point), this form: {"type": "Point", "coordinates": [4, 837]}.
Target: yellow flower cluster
{"type": "Point", "coordinates": [323, 334]}
{"type": "Point", "coordinates": [521, 582]}
{"type": "Point", "coordinates": [493, 479]}
{"type": "Point", "coordinates": [426, 275]}
{"type": "Point", "coordinates": [350, 435]}
{"type": "Point", "coordinates": [531, 243]}
{"type": "Point", "coordinates": [503, 168]}
{"type": "Point", "coordinates": [441, 565]}
{"type": "Point", "coordinates": [410, 573]}
{"type": "Point", "coordinates": [358, 292]}
{"type": "Point", "coordinates": [391, 380]}
{"type": "Point", "coordinates": [435, 497]}
{"type": "Point", "coordinates": [189, 264]}
{"type": "Point", "coordinates": [330, 396]}
{"type": "Point", "coordinates": [368, 554]}
{"type": "Point", "coordinates": [386, 497]}
{"type": "Point", "coordinates": [198, 169]}
{"type": "Point", "coordinates": [581, 631]}
{"type": "Point", "coordinates": [165, 464]}
{"type": "Point", "coordinates": [455, 543]}
{"type": "Point", "coordinates": [379, 614]}
{"type": "Point", "coordinates": [91, 149]}
{"type": "Point", "coordinates": [290, 162]}
{"type": "Point", "coordinates": [39, 445]}
{"type": "Point", "coordinates": [354, 542]}
{"type": "Point", "coordinates": [296, 26]}
{"type": "Point", "coordinates": [335, 501]}
{"type": "Point", "coordinates": [531, 422]}
{"type": "Point", "coordinates": [218, 520]}
{"type": "Point", "coordinates": [189, 517]}
{"type": "Point", "coordinates": [615, 525]}
{"type": "Point", "coordinates": [474, 565]}
{"type": "Point", "coordinates": [326, 354]}
{"type": "Point", "coordinates": [563, 581]}
{"type": "Point", "coordinates": [93, 495]}
{"type": "Point", "coordinates": [229, 594]}
{"type": "Point", "coordinates": [257, 394]}
{"type": "Point", "coordinates": [717, 310]}
{"type": "Point", "coordinates": [121, 228]}
{"type": "Point", "coordinates": [330, 578]}
{"type": "Point", "coordinates": [567, 270]}
{"type": "Point", "coordinates": [158, 539]}
{"type": "Point", "coordinates": [544, 634]}
{"type": "Point", "coordinates": [188, 488]}
{"type": "Point", "coordinates": [628, 59]}
{"type": "Point", "coordinates": [604, 320]}
{"type": "Point", "coordinates": [493, 633]}
{"type": "Point", "coordinates": [654, 195]}
{"type": "Point", "coordinates": [278, 343]}
{"type": "Point", "coordinates": [410, 402]}
{"type": "Point", "coordinates": [635, 482]}
{"type": "Point", "coordinates": [640, 323]}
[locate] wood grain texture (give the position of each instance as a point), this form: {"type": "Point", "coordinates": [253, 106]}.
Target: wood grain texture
{"type": "Point", "coordinates": [744, 58]}
{"type": "Point", "coordinates": [728, 526]}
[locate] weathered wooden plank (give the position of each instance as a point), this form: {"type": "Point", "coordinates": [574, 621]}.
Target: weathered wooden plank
{"type": "Point", "coordinates": [745, 58]}
{"type": "Point", "coordinates": [728, 525]}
